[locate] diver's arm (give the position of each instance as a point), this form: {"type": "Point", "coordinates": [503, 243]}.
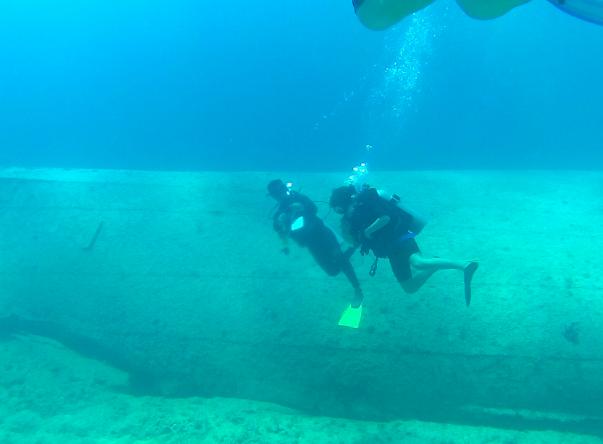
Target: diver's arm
{"type": "Point", "coordinates": [376, 226]}
{"type": "Point", "coordinates": [347, 233]}
{"type": "Point", "coordinates": [285, 243]}
{"type": "Point", "coordinates": [280, 228]}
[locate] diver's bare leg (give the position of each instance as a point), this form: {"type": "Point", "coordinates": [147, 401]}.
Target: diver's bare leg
{"type": "Point", "coordinates": [417, 280]}
{"type": "Point", "coordinates": [428, 266]}
{"type": "Point", "coordinates": [421, 262]}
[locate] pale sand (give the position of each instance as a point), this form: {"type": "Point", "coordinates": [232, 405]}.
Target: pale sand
{"type": "Point", "coordinates": [187, 280]}
{"type": "Point", "coordinates": [48, 394]}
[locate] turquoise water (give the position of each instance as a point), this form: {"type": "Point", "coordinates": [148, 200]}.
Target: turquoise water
{"type": "Point", "coordinates": [196, 85]}
{"type": "Point", "coordinates": [145, 297]}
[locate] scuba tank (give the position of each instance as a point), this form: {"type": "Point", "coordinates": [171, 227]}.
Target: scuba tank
{"type": "Point", "coordinates": [359, 180]}
{"type": "Point", "coordinates": [418, 222]}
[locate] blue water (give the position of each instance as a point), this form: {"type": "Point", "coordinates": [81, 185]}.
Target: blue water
{"type": "Point", "coordinates": [191, 85]}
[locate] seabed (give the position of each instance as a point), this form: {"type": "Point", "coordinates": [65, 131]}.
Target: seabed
{"type": "Point", "coordinates": [155, 307]}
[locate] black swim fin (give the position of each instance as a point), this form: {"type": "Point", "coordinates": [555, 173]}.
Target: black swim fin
{"type": "Point", "coordinates": [468, 272]}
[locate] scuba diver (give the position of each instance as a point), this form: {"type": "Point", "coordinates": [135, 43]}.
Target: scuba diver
{"type": "Point", "coordinates": [296, 218]}
{"type": "Point", "coordinates": [381, 14]}
{"type": "Point", "coordinates": [383, 226]}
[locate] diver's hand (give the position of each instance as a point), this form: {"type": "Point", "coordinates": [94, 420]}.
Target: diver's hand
{"type": "Point", "coordinates": [364, 243]}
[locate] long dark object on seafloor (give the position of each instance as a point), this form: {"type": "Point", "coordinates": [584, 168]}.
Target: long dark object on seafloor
{"type": "Point", "coordinates": [92, 242]}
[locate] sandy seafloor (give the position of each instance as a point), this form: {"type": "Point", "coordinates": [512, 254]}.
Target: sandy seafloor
{"type": "Point", "coordinates": [51, 394]}
{"type": "Point", "coordinates": [48, 394]}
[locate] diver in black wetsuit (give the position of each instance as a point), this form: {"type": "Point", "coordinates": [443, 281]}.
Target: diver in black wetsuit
{"type": "Point", "coordinates": [381, 225]}
{"type": "Point", "coordinates": [296, 218]}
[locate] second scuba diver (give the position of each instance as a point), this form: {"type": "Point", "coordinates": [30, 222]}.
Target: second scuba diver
{"type": "Point", "coordinates": [296, 218]}
{"type": "Point", "coordinates": [381, 225]}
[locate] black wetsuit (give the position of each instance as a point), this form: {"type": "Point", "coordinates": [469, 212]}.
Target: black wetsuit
{"type": "Point", "coordinates": [314, 235]}
{"type": "Point", "coordinates": [394, 241]}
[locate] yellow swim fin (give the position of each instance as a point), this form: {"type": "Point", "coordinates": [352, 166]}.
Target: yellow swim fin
{"type": "Point", "coordinates": [351, 317]}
